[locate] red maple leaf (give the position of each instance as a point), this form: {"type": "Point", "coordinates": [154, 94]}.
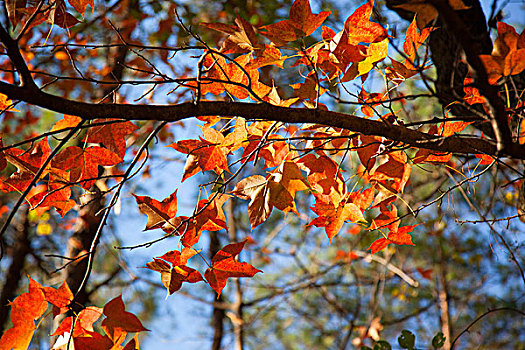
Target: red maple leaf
{"type": "Point", "coordinates": [83, 322]}
{"type": "Point", "coordinates": [359, 29]}
{"type": "Point", "coordinates": [173, 269]}
{"type": "Point", "coordinates": [69, 121]}
{"type": "Point", "coordinates": [118, 320]}
{"type": "Point", "coordinates": [159, 213]}
{"type": "Point", "coordinates": [400, 236]}
{"type": "Point", "coordinates": [112, 136]}
{"type": "Point", "coordinates": [83, 163]}
{"type": "Point", "coordinates": [205, 154]}
{"type": "Point", "coordinates": [25, 309]}
{"type": "Point", "coordinates": [302, 22]}
{"type": "Point", "coordinates": [508, 56]}
{"type": "Point", "coordinates": [28, 163]}
{"type": "Point", "coordinates": [224, 266]}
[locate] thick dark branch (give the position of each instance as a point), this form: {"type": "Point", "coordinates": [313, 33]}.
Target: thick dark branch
{"type": "Point", "coordinates": [251, 111]}
{"type": "Point", "coordinates": [14, 54]}
{"type": "Point", "coordinates": [498, 117]}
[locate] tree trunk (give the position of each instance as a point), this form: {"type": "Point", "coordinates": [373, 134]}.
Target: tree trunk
{"type": "Point", "coordinates": [21, 247]}
{"type": "Point", "coordinates": [218, 314]}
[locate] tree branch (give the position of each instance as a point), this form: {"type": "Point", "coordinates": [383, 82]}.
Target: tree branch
{"type": "Point", "coordinates": [250, 111]}
{"type": "Point", "coordinates": [497, 113]}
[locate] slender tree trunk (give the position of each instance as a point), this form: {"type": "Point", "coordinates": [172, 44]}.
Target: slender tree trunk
{"type": "Point", "coordinates": [237, 317]}
{"type": "Point", "coordinates": [218, 314]}
{"type": "Point", "coordinates": [444, 299]}
{"type": "Point", "coordinates": [21, 247]}
{"type": "Point", "coordinates": [83, 237]}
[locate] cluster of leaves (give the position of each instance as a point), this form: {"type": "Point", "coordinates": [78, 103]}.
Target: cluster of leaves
{"type": "Point", "coordinates": [71, 166]}
{"type": "Point", "coordinates": [77, 330]}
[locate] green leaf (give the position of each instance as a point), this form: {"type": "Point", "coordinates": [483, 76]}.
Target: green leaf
{"type": "Point", "coordinates": [382, 345]}
{"type": "Point", "coordinates": [406, 340]}
{"type": "Point", "coordinates": [438, 340]}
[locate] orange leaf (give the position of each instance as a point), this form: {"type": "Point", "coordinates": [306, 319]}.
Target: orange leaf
{"type": "Point", "coordinates": [359, 29]}
{"type": "Point", "coordinates": [83, 322]}
{"type": "Point", "coordinates": [207, 154]}
{"type": "Point", "coordinates": [25, 309]}
{"type": "Point", "coordinates": [332, 215]}
{"type": "Point", "coordinates": [60, 298]}
{"type": "Point", "coordinates": [242, 36]}
{"type": "Point", "coordinates": [225, 266]}
{"type": "Point", "coordinates": [83, 163]}
{"type": "Point", "coordinates": [81, 5]}
{"type": "Point", "coordinates": [413, 40]}
{"type": "Point", "coordinates": [399, 237]}
{"type": "Point", "coordinates": [508, 55]}
{"type": "Point", "coordinates": [159, 213]}
{"type": "Point", "coordinates": [112, 136]}
{"type": "Point", "coordinates": [69, 121]}
{"type": "Point", "coordinates": [118, 320]}
{"type": "Point", "coordinates": [28, 163]}
{"type": "Point", "coordinates": [302, 22]}
{"type": "Point", "coordinates": [375, 53]}
{"type": "Point", "coordinates": [172, 276]}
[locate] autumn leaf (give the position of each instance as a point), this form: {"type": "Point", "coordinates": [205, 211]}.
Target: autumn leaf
{"type": "Point", "coordinates": [323, 177]}
{"type": "Point", "coordinates": [242, 37]}
{"type": "Point", "coordinates": [211, 215]}
{"type": "Point", "coordinates": [472, 95]}
{"type": "Point", "coordinates": [233, 77]}
{"type": "Point", "coordinates": [277, 190]}
{"type": "Point", "coordinates": [333, 214]}
{"type": "Point", "coordinates": [207, 153]}
{"type": "Point", "coordinates": [394, 173]}
{"type": "Point", "coordinates": [159, 213]}
{"type": "Point", "coordinates": [266, 56]}
{"type": "Point", "coordinates": [83, 322]}
{"type": "Point", "coordinates": [302, 22]}
{"type": "Point", "coordinates": [83, 163]}
{"type": "Point", "coordinates": [112, 136]}
{"type": "Point", "coordinates": [426, 273]}
{"type": "Point", "coordinates": [118, 320]}
{"type": "Point", "coordinates": [55, 194]}
{"type": "Point", "coordinates": [399, 72]}
{"type": "Point", "coordinates": [414, 38]}
{"type": "Point", "coordinates": [60, 298]}
{"type": "Point", "coordinates": [425, 12]}
{"type": "Point", "coordinates": [224, 266]}
{"type": "Point", "coordinates": [375, 53]}
{"type": "Point", "coordinates": [346, 256]}
{"type": "Point", "coordinates": [275, 99]}
{"type": "Point", "coordinates": [81, 5]}
{"type": "Point", "coordinates": [25, 309]}
{"type": "Point", "coordinates": [173, 269]}
{"type": "Point", "coordinates": [399, 237]}
{"type": "Point", "coordinates": [6, 104]}
{"type": "Point", "coordinates": [359, 29]}
{"type": "Point", "coordinates": [508, 55]}
{"type": "Point", "coordinates": [28, 163]}
{"type": "Point", "coordinates": [429, 156]}
{"type": "Point", "coordinates": [69, 121]}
